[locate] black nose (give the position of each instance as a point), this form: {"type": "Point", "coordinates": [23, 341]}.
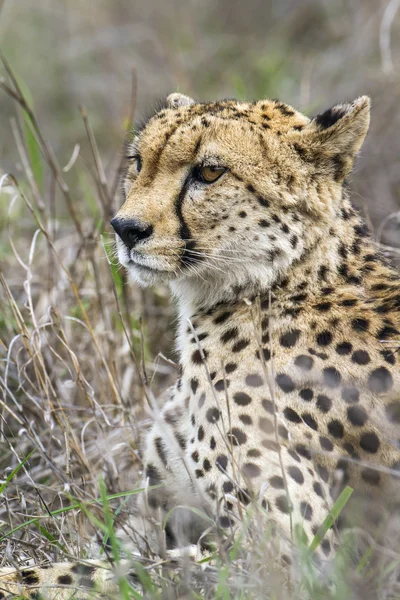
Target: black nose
{"type": "Point", "coordinates": [131, 231]}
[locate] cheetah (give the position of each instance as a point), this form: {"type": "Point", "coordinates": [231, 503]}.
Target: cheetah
{"type": "Point", "coordinates": [289, 318]}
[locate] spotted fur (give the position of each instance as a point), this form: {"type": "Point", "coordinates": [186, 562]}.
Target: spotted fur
{"type": "Point", "coordinates": [289, 317]}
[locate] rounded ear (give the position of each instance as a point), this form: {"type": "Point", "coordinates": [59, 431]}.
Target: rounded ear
{"type": "Point", "coordinates": [176, 100]}
{"type": "Point", "coordinates": [335, 136]}
{"type": "Point", "coordinates": [342, 127]}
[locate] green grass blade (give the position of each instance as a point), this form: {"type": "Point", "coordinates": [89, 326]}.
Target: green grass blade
{"type": "Point", "coordinates": [331, 518]}
{"type": "Point", "coordinates": [15, 471]}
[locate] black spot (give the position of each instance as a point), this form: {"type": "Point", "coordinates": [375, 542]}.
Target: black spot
{"type": "Point", "coordinates": [350, 395]}
{"type": "Point", "coordinates": [222, 462]}
{"type": "Point", "coordinates": [227, 487]}
{"type": "Point", "coordinates": [324, 403]}
{"type": "Point", "coordinates": [292, 415]}
{"type": "Point", "coordinates": [211, 491]}
{"type": "Point", "coordinates": [222, 317]}
{"type": "Point", "coordinates": [310, 421]}
{"type": "Point", "coordinates": [194, 383]}
{"type": "Point", "coordinates": [251, 470]}
{"type": "Point", "coordinates": [263, 202]}
{"type": "Point", "coordinates": [303, 451]}
{"type": "Point", "coordinates": [200, 337]}
{"type": "Point", "coordinates": [360, 357]}
{"type": "Point", "coordinates": [64, 579]}
{"type": "Point", "coordinates": [254, 380]}
{"type": "Point", "coordinates": [266, 425]}
{"type": "Point", "coordinates": [196, 356]}
{"type": "Point", "coordinates": [160, 448]}
{"type": "Point", "coordinates": [285, 383]}
{"type": "Point", "coordinates": [263, 223]}
{"type": "Point", "coordinates": [283, 432]}
{"type": "Point", "coordinates": [229, 335]}
{"type": "Point", "coordinates": [268, 406]}
{"type": "Point", "coordinates": [318, 489]}
{"type": "Point", "coordinates": [307, 394]}
{"type": "Point", "coordinates": [387, 332]}
{"type": "Point", "coordinates": [200, 433]}
{"type": "Point", "coordinates": [199, 473]}
{"type": "Point", "coordinates": [242, 399]}
{"type": "Point", "coordinates": [283, 504]}
{"type": "Point", "coordinates": [290, 338]}
{"type": "Point", "coordinates": [332, 377]}
{"type": "Point", "coordinates": [202, 399]}
{"type": "Point", "coordinates": [326, 443]}
{"type": "Point", "coordinates": [324, 338]}
{"type": "Point", "coordinates": [226, 522]}
{"type": "Point", "coordinates": [336, 429]}
{"type": "Point", "coordinates": [306, 511]}
{"type": "Point", "coordinates": [221, 384]}
{"type": "Point", "coordinates": [388, 356]}
{"type": "Point", "coordinates": [230, 367]}
{"type": "Point", "coordinates": [296, 474]}
{"type": "Point", "coordinates": [323, 306]}
{"type": "Point", "coordinates": [369, 442]}
{"type": "Point", "coordinates": [277, 482]}
{"type": "Point", "coordinates": [360, 324]}
{"type": "Point", "coordinates": [29, 577]}
{"type": "Point", "coordinates": [206, 464]}
{"type": "Point", "coordinates": [393, 412]}
{"type": "Point", "coordinates": [357, 415]}
{"type": "Point", "coordinates": [237, 437]}
{"type": "Point", "coordinates": [304, 362]}
{"type": "Point", "coordinates": [213, 415]}
{"type": "Point", "coordinates": [254, 453]}
{"type": "Point", "coordinates": [371, 476]}
{"type": "Point", "coordinates": [380, 380]}
{"type": "Point", "coordinates": [212, 443]}
{"type": "Point", "coordinates": [344, 348]}
{"type": "Point", "coordinates": [349, 302]}
{"type": "Point", "coordinates": [195, 456]}
{"type": "Point", "coordinates": [240, 345]}
{"type": "Point", "coordinates": [242, 214]}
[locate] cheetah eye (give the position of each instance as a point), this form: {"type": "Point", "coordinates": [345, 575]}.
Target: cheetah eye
{"type": "Point", "coordinates": [209, 174]}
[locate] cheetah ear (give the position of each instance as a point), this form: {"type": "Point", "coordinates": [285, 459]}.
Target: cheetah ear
{"type": "Point", "coordinates": [338, 134]}
{"type": "Point", "coordinates": [176, 100]}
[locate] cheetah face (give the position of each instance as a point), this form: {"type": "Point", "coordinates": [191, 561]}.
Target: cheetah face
{"type": "Point", "coordinates": [227, 195]}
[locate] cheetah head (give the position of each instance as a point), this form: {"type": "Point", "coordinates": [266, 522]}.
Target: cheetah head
{"type": "Point", "coordinates": [222, 198]}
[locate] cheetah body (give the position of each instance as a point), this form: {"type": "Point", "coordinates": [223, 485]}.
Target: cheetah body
{"type": "Point", "coordinates": [289, 318]}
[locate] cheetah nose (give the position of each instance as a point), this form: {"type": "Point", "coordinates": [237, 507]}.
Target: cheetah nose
{"type": "Point", "coordinates": [131, 231]}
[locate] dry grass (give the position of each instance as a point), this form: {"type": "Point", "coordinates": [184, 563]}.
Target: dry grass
{"type": "Point", "coordinates": [80, 362]}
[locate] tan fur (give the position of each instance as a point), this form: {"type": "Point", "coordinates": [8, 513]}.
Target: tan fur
{"type": "Point", "coordinates": [289, 318]}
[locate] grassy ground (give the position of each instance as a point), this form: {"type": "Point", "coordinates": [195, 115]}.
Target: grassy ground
{"type": "Point", "coordinates": [81, 351]}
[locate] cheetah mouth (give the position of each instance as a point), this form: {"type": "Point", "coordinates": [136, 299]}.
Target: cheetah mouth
{"type": "Point", "coordinates": [136, 265]}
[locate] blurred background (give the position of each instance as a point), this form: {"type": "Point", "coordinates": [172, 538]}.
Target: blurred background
{"type": "Point", "coordinates": [311, 53]}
